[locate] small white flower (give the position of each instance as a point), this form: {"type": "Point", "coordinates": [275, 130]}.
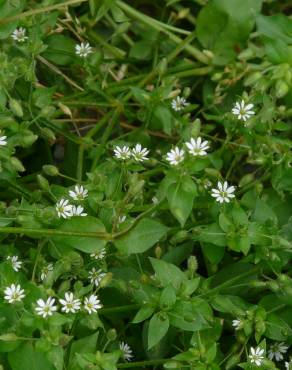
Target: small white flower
{"type": "Point", "coordinates": [69, 303]}
{"type": "Point", "coordinates": [64, 209]}
{"type": "Point", "coordinates": [223, 193]}
{"type": "Point", "coordinates": [127, 352]}
{"type": "Point", "coordinates": [175, 156]}
{"type": "Point", "coordinates": [178, 103]}
{"type": "Point", "coordinates": [19, 34]}
{"type": "Point", "coordinates": [83, 49]}
{"type": "Point", "coordinates": [78, 211]}
{"type": "Point", "coordinates": [122, 152]}
{"type": "Point", "coordinates": [155, 200]}
{"type": "Point", "coordinates": [46, 270]}
{"type": "Point", "coordinates": [96, 276]}
{"type": "Point", "coordinates": [276, 351]}
{"type": "Point", "coordinates": [47, 308]}
{"type": "Point", "coordinates": [237, 324]}
{"type": "Point", "coordinates": [256, 356]}
{"type": "Point", "coordinates": [243, 111]}
{"type": "Point", "coordinates": [92, 304]}
{"type": "Point", "coordinates": [80, 193]}
{"type": "Point", "coordinates": [139, 153]}
{"type": "Point", "coordinates": [288, 365]}
{"type": "Point", "coordinates": [3, 140]}
{"type": "Point", "coordinates": [121, 219]}
{"type": "Point", "coordinates": [14, 293]}
{"type": "Point", "coordinates": [99, 255]}
{"type": "Point", "coordinates": [197, 147]}
{"type": "Point", "coordinates": [16, 264]}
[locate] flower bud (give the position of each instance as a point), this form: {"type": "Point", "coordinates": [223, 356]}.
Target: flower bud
{"type": "Point", "coordinates": [106, 280]}
{"type": "Point", "coordinates": [15, 107]}
{"type": "Point", "coordinates": [281, 89]}
{"type": "Point", "coordinates": [253, 78]}
{"type": "Point", "coordinates": [8, 337]}
{"type": "Point", "coordinates": [158, 252]}
{"type": "Point", "coordinates": [48, 134]}
{"type": "Point", "coordinates": [16, 163]}
{"type": "Point", "coordinates": [111, 334]}
{"type": "Point", "coordinates": [50, 170]}
{"type": "Point", "coordinates": [246, 179]}
{"type": "Point", "coordinates": [162, 67]}
{"type": "Point", "coordinates": [28, 140]}
{"type": "Point", "coordinates": [172, 365]}
{"type": "Point", "coordinates": [47, 111]}
{"type": "Point", "coordinates": [43, 183]}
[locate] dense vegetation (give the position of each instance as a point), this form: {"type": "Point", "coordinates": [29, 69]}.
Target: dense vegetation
{"type": "Point", "coordinates": [145, 184]}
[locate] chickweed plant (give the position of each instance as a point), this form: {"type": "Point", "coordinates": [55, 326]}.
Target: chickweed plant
{"type": "Point", "coordinates": [145, 184]}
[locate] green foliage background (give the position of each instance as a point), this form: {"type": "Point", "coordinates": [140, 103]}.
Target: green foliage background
{"type": "Point", "coordinates": [180, 268]}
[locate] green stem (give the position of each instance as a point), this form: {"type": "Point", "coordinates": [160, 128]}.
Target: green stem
{"type": "Point", "coordinates": [161, 27]}
{"type": "Point", "coordinates": [143, 363]}
{"type": "Point", "coordinates": [53, 232]}
{"type": "Point", "coordinates": [126, 308]}
{"type": "Point", "coordinates": [40, 10]}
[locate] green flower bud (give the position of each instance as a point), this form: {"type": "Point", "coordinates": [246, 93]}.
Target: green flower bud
{"type": "Point", "coordinates": [48, 134]}
{"type": "Point", "coordinates": [195, 127]}
{"type": "Point", "coordinates": [246, 54]}
{"type": "Point", "coordinates": [15, 107]}
{"type": "Point", "coordinates": [111, 334]}
{"type": "Point", "coordinates": [172, 365]}
{"type": "Point", "coordinates": [11, 211]}
{"type": "Point", "coordinates": [17, 164]}
{"type": "Point", "coordinates": [281, 89]}
{"type": "Point", "coordinates": [50, 170]}
{"type": "Point", "coordinates": [47, 111]}
{"type": "Point", "coordinates": [43, 183]}
{"type": "Point", "coordinates": [179, 237]}
{"type": "Point", "coordinates": [8, 337]}
{"type": "Point", "coordinates": [217, 76]}
{"type": "Point", "coordinates": [28, 140]}
{"type": "Point", "coordinates": [158, 252]}
{"type": "Point", "coordinates": [162, 66]}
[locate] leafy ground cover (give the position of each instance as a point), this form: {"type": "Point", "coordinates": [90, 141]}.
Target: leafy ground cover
{"type": "Point", "coordinates": [145, 184]}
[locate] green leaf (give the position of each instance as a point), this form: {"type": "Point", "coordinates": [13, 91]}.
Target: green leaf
{"type": "Point", "coordinates": [167, 273]}
{"type": "Point", "coordinates": [27, 358]}
{"type": "Point", "coordinates": [168, 297]}
{"type": "Point", "coordinates": [83, 345]}
{"type": "Point", "coordinates": [142, 237]}
{"type": "Point", "coordinates": [141, 50]}
{"type": "Point", "coordinates": [82, 243]}
{"type": "Point", "coordinates": [158, 327]}
{"type": "Point", "coordinates": [143, 314]}
{"type": "Point", "coordinates": [212, 234]}
{"type": "Point", "coordinates": [9, 9]}
{"type": "Point", "coordinates": [180, 197]}
{"type": "Point", "coordinates": [212, 252]}
{"type": "Point", "coordinates": [223, 26]}
{"type": "Point", "coordinates": [162, 118]}
{"type": "Point", "coordinates": [60, 50]}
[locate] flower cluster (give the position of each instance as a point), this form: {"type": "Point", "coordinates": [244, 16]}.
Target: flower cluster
{"type": "Point", "coordinates": [66, 210]}
{"type": "Point", "coordinates": [46, 308]}
{"type": "Point", "coordinates": [138, 153]}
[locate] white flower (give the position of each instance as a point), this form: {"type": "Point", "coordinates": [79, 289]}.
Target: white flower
{"type": "Point", "coordinates": [276, 351]}
{"type": "Point", "coordinates": [127, 352]}
{"type": "Point", "coordinates": [223, 193]}
{"type": "Point", "coordinates": [14, 293]}
{"type": "Point", "coordinates": [19, 34]}
{"type": "Point", "coordinates": [96, 276]}
{"type": "Point", "coordinates": [288, 365]}
{"type": "Point", "coordinates": [64, 209]}
{"type": "Point", "coordinates": [47, 308]}
{"type": "Point", "coordinates": [80, 193]}
{"type": "Point", "coordinates": [237, 324]}
{"type": "Point", "coordinates": [139, 153]}
{"type": "Point", "coordinates": [197, 147]}
{"type": "Point", "coordinates": [46, 270]}
{"type": "Point", "coordinates": [92, 304]}
{"type": "Point", "coordinates": [121, 219]}
{"type": "Point", "coordinates": [122, 152]}
{"type": "Point", "coordinates": [3, 141]}
{"type": "Point", "coordinates": [175, 156]}
{"type": "Point", "coordinates": [69, 303]}
{"type": "Point", "coordinates": [83, 49]}
{"type": "Point", "coordinates": [16, 264]}
{"type": "Point", "coordinates": [155, 200]}
{"type": "Point", "coordinates": [99, 255]}
{"type": "Point", "coordinates": [242, 111]}
{"type": "Point", "coordinates": [78, 211]}
{"type": "Point", "coordinates": [178, 103]}
{"type": "Point", "coordinates": [256, 356]}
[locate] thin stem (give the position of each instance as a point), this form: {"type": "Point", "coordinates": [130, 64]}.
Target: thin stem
{"type": "Point", "coordinates": [40, 10]}
{"type": "Point", "coordinates": [143, 363]}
